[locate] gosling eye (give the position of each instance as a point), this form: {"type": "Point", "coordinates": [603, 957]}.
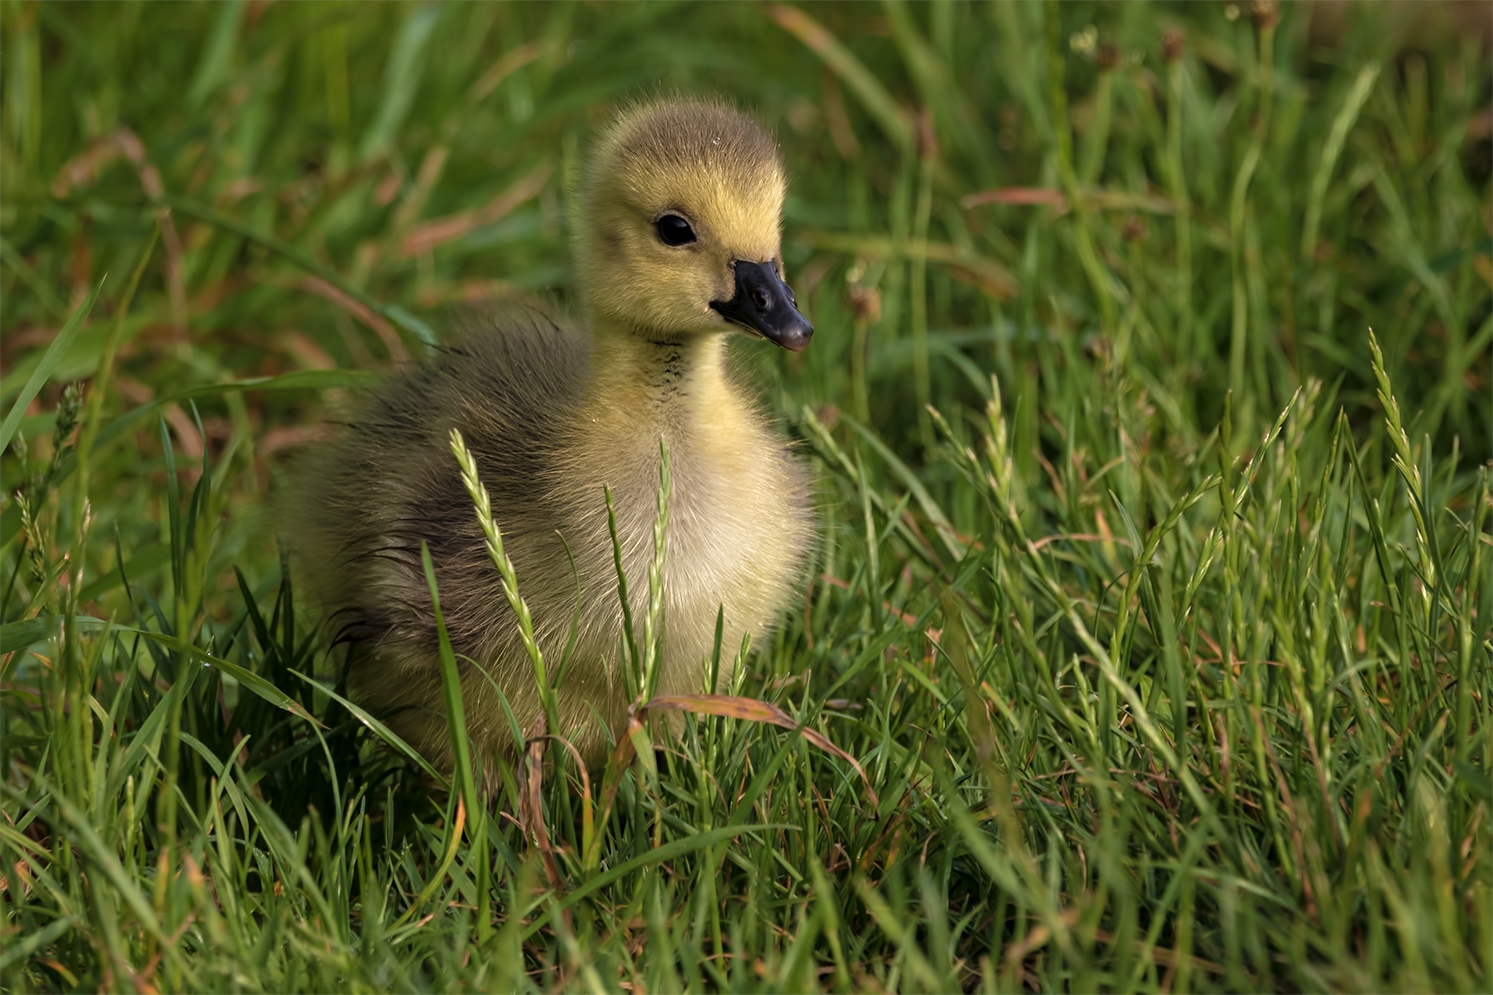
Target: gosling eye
{"type": "Point", "coordinates": [674, 230]}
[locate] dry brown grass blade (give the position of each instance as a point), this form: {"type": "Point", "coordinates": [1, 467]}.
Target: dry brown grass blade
{"type": "Point", "coordinates": [511, 60]}
{"type": "Point", "coordinates": [988, 275]}
{"type": "Point", "coordinates": [385, 331]}
{"type": "Point", "coordinates": [426, 178]}
{"type": "Point", "coordinates": [1104, 200]}
{"type": "Point", "coordinates": [840, 60]}
{"type": "Point", "coordinates": [754, 710]}
{"type": "Point", "coordinates": [725, 705]}
{"type": "Point", "coordinates": [85, 168]}
{"type": "Point", "coordinates": [611, 779]}
{"type": "Point", "coordinates": [448, 229]}
{"type": "Point", "coordinates": [532, 805]}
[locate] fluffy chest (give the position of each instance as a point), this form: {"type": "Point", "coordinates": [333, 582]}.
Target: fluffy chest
{"type": "Point", "coordinates": [732, 521]}
{"type": "Point", "coordinates": [739, 512]}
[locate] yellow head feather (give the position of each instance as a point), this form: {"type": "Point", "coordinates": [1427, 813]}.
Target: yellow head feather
{"type": "Point", "coordinates": [713, 166]}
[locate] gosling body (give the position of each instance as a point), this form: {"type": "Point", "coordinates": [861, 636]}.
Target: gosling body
{"type": "Point", "coordinates": [556, 410]}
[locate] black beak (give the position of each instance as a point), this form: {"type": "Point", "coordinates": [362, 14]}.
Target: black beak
{"type": "Point", "coordinates": [765, 304]}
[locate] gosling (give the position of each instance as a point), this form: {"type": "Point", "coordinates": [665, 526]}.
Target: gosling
{"type": "Point", "coordinates": [677, 243]}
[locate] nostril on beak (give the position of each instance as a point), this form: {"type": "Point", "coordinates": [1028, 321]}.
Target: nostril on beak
{"type": "Point", "coordinates": [763, 302]}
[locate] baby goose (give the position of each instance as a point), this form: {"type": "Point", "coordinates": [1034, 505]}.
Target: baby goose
{"type": "Point", "coordinates": [677, 242]}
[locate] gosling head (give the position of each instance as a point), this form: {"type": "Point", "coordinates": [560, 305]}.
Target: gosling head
{"type": "Point", "coordinates": [679, 233]}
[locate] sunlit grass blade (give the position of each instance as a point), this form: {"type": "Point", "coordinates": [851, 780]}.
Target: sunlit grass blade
{"type": "Point", "coordinates": [56, 349]}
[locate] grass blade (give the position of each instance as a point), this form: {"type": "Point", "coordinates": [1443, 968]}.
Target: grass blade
{"type": "Point", "coordinates": [49, 360]}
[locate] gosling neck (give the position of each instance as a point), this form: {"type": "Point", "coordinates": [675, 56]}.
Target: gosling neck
{"type": "Point", "coordinates": [675, 375]}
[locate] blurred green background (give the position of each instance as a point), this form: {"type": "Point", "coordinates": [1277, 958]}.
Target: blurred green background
{"type": "Point", "coordinates": [425, 152]}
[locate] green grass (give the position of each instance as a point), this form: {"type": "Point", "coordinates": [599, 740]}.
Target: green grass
{"type": "Point", "coordinates": [1162, 638]}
